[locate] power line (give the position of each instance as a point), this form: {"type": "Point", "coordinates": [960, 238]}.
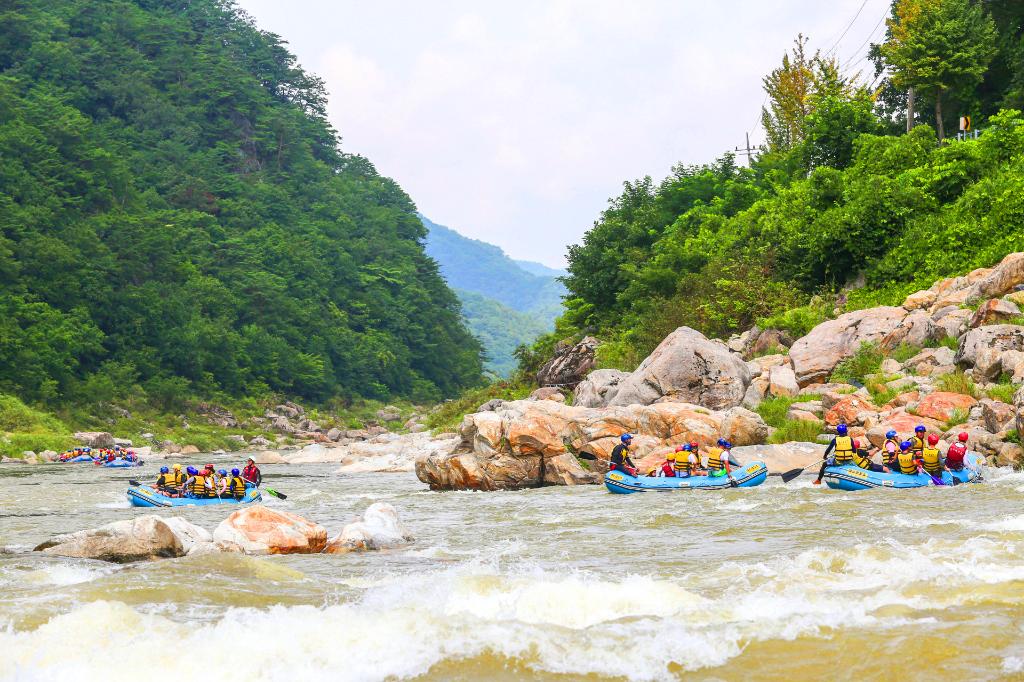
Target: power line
{"type": "Point", "coordinates": [866, 41]}
{"type": "Point", "coordinates": [848, 27]}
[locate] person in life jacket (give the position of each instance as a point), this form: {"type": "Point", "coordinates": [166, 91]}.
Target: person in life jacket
{"type": "Point", "coordinates": [165, 483]}
{"type": "Point", "coordinates": [906, 461]}
{"type": "Point", "coordinates": [220, 484]}
{"type": "Point", "coordinates": [688, 462]}
{"type": "Point", "coordinates": [251, 472]}
{"type": "Point", "coordinates": [889, 448]}
{"type": "Point", "coordinates": [235, 486]}
{"type": "Point", "coordinates": [839, 451]}
{"type": "Point", "coordinates": [620, 460]}
{"type": "Point", "coordinates": [931, 458]}
{"type": "Point", "coordinates": [720, 459]}
{"type": "Point", "coordinates": [917, 442]}
{"type": "Point", "coordinates": [666, 468]}
{"type": "Point", "coordinates": [956, 453]}
{"type": "Point", "coordinates": [862, 458]}
{"type": "Point", "coordinates": [197, 484]}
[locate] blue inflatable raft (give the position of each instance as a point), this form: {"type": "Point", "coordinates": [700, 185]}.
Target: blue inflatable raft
{"type": "Point", "coordinates": [145, 496]}
{"type": "Point", "coordinates": [80, 458]}
{"type": "Point", "coordinates": [747, 476]}
{"type": "Point", "coordinates": [852, 477]}
{"type": "Point", "coordinates": [122, 463]}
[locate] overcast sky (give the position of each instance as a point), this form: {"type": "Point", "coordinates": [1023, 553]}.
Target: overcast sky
{"type": "Point", "coordinates": [515, 123]}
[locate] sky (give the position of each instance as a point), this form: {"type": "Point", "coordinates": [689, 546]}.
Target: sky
{"type": "Point", "coordinates": [515, 123]}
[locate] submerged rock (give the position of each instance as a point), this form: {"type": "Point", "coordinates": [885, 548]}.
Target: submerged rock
{"type": "Point", "coordinates": [260, 530]}
{"type": "Point", "coordinates": [140, 539]}
{"type": "Point", "coordinates": [378, 528]}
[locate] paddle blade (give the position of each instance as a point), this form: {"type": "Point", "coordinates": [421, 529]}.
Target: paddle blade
{"type": "Point", "coordinates": [791, 474]}
{"type": "Point", "coordinates": [276, 494]}
{"type": "Point", "coordinates": [134, 482]}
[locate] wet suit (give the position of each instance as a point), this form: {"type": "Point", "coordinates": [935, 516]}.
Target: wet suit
{"type": "Point", "coordinates": [621, 460]}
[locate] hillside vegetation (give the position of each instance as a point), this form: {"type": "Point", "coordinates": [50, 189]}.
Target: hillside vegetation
{"type": "Point", "coordinates": [841, 209]}
{"type": "Point", "coordinates": [176, 218]}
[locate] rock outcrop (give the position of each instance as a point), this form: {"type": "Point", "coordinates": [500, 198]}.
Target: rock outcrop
{"type": "Point", "coordinates": [140, 539]}
{"type": "Point", "coordinates": [378, 528]}
{"type": "Point", "coordinates": [95, 439]}
{"type": "Point", "coordinates": [593, 391]}
{"type": "Point", "coordinates": [261, 530]}
{"type": "Point", "coordinates": [570, 364]}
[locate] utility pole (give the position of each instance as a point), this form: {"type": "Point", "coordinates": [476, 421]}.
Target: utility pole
{"type": "Point", "coordinates": [748, 152]}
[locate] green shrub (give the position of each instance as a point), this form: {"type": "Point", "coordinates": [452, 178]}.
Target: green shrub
{"type": "Point", "coordinates": [799, 321]}
{"type": "Point", "coordinates": [865, 361]}
{"type": "Point", "coordinates": [956, 417]}
{"type": "Point", "coordinates": [16, 416]}
{"type": "Point", "coordinates": [880, 393]}
{"type": "Point", "coordinates": [957, 382]}
{"type": "Point", "coordinates": [904, 352]}
{"type": "Point", "coordinates": [448, 415]}
{"type": "Point", "coordinates": [797, 430]}
{"type": "Point", "coordinates": [773, 410]}
{"type": "Point", "coordinates": [1002, 392]}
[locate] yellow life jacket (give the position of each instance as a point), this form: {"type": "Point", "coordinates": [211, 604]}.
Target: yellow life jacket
{"type": "Point", "coordinates": [198, 487]}
{"type": "Point", "coordinates": [906, 462]}
{"type": "Point", "coordinates": [715, 459]}
{"type": "Point", "coordinates": [177, 477]}
{"type": "Point", "coordinates": [680, 461]}
{"type": "Point", "coordinates": [844, 450]}
{"type": "Point", "coordinates": [165, 481]}
{"type": "Point", "coordinates": [861, 459]}
{"type": "Point", "coordinates": [916, 444]}
{"type": "Point", "coordinates": [931, 460]}
{"type": "Point", "coordinates": [236, 486]}
{"type": "Point", "coordinates": [886, 459]}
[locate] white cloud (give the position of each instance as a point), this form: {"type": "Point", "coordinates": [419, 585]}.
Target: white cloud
{"type": "Point", "coordinates": [514, 123]}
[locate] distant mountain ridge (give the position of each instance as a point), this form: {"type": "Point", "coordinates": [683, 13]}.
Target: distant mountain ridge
{"type": "Point", "coordinates": [506, 302]}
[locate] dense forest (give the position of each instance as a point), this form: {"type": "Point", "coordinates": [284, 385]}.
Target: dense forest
{"type": "Point", "coordinates": [177, 218]}
{"type": "Point", "coordinates": [507, 303]}
{"type": "Point", "coordinates": [857, 197]}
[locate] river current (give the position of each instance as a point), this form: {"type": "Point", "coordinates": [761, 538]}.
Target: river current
{"type": "Point", "coordinates": [780, 582]}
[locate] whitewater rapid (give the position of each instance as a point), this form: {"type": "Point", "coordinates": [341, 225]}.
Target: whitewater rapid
{"type": "Point", "coordinates": [778, 582]}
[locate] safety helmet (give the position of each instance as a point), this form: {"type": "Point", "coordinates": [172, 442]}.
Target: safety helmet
{"type": "Point", "coordinates": [933, 439]}
{"type": "Point", "coordinates": [222, 472]}
{"type": "Point", "coordinates": [890, 434]}
{"type": "Point", "coordinates": [679, 448]}
{"type": "Point", "coordinates": [178, 467]}
{"type": "Point", "coordinates": [962, 437]}
{"type": "Point", "coordinates": [625, 438]}
{"type": "Point", "coordinates": [906, 445]}
{"type": "Point", "coordinates": [919, 428]}
{"type": "Point", "coordinates": [693, 444]}
{"type": "Point", "coordinates": [88, 449]}
{"type": "Point", "coordinates": [687, 447]}
{"type": "Point", "coordinates": [209, 466]}
{"type": "Point", "coordinates": [164, 470]}
{"type": "Point", "coordinates": [721, 442]}
{"type": "Point", "coordinates": [192, 471]}
{"type": "Point", "coordinates": [727, 445]}
{"type": "Point", "coordinates": [841, 429]}
{"type": "Point", "coordinates": [234, 472]}
{"type": "Point", "coordinates": [856, 444]}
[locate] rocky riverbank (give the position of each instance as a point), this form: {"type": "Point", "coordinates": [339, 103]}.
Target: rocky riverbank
{"type": "Point", "coordinates": [950, 357]}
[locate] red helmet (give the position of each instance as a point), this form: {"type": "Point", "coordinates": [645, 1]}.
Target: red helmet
{"type": "Point", "coordinates": [962, 437]}
{"type": "Point", "coordinates": [679, 448]}
{"type": "Point", "coordinates": [693, 444]}
{"type": "Point", "coordinates": [856, 444]}
{"type": "Point", "coordinates": [208, 466]}
{"type": "Point", "coordinates": [933, 439]}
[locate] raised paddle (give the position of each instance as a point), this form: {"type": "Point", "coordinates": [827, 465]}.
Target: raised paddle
{"type": "Point", "coordinates": [793, 473]}
{"type": "Point", "coordinates": [276, 494]}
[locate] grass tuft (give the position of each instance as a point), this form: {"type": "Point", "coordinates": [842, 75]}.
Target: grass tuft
{"type": "Point", "coordinates": [796, 430]}
{"type": "Point", "coordinates": [957, 382]}
{"type": "Point", "coordinates": [865, 361]}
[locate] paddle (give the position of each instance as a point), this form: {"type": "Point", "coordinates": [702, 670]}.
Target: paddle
{"type": "Point", "coordinates": [276, 494]}
{"type": "Point", "coordinates": [793, 473]}
{"type": "Point", "coordinates": [132, 481]}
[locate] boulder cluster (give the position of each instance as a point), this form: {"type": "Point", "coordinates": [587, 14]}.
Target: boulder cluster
{"type": "Point", "coordinates": [964, 347]}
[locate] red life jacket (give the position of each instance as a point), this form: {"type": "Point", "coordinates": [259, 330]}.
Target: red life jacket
{"type": "Point", "coordinates": [666, 469]}
{"type": "Point", "coordinates": [955, 456]}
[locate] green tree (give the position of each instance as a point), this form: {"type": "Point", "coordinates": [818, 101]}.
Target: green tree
{"type": "Point", "coordinates": [935, 46]}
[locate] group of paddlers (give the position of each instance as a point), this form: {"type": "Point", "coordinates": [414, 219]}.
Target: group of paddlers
{"type": "Point", "coordinates": [207, 482]}
{"type": "Point", "coordinates": [684, 462]}
{"type": "Point", "coordinates": [99, 454]}
{"type": "Point", "coordinates": [919, 453]}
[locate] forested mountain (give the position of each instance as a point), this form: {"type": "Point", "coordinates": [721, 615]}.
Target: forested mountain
{"type": "Point", "coordinates": [176, 216]}
{"type": "Point", "coordinates": [506, 302]}
{"type": "Point", "coordinates": [840, 194]}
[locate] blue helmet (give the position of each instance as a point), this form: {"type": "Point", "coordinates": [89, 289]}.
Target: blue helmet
{"type": "Point", "coordinates": [890, 434]}
{"type": "Point", "coordinates": [192, 471]}
{"type": "Point", "coordinates": [906, 445]}
{"type": "Point", "coordinates": [234, 472]}
{"type": "Point", "coordinates": [919, 428]}
{"type": "Point", "coordinates": [687, 448]}
{"type": "Point", "coordinates": [721, 442]}
{"type": "Point", "coordinates": [625, 438]}
{"type": "Point", "coordinates": [841, 429]}
{"type": "Point", "coordinates": [727, 445]}
{"type": "Point", "coordinates": [222, 472]}
{"type": "Point", "coordinates": [164, 470]}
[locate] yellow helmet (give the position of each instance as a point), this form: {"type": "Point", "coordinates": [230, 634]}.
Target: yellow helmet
{"type": "Point", "coordinates": [178, 467]}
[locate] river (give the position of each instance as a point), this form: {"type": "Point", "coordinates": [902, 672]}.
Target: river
{"type": "Point", "coordinates": [777, 582]}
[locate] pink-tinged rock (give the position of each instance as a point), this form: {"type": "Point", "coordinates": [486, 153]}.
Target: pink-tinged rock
{"type": "Point", "coordinates": [993, 311]}
{"type": "Point", "coordinates": [904, 399]}
{"type": "Point", "coordinates": [997, 415]}
{"type": "Point", "coordinates": [992, 338]}
{"type": "Point", "coordinates": [743, 427]}
{"type": "Point", "coordinates": [815, 355]}
{"type": "Point", "coordinates": [920, 299]}
{"type": "Point", "coordinates": [903, 423]}
{"type": "Point", "coordinates": [848, 409]}
{"type": "Point", "coordinates": [261, 530]}
{"type": "Point", "coordinates": [782, 381]}
{"type": "Point", "coordinates": [1001, 279]}
{"type": "Point", "coordinates": [940, 405]}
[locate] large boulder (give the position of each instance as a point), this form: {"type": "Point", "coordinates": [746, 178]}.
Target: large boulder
{"type": "Point", "coordinates": [570, 364]}
{"type": "Point", "coordinates": [782, 381]}
{"type": "Point", "coordinates": [548, 393]}
{"type": "Point", "coordinates": [378, 528]}
{"type": "Point", "coordinates": [95, 439]}
{"type": "Point", "coordinates": [993, 311]}
{"type": "Point", "coordinates": [261, 530]}
{"type": "Point", "coordinates": [950, 322]}
{"type": "Point", "coordinates": [1018, 405]}
{"type": "Point", "coordinates": [593, 391]}
{"type": "Point", "coordinates": [686, 367]}
{"type": "Point", "coordinates": [743, 427]}
{"type": "Point", "coordinates": [998, 416]}
{"type": "Point", "coordinates": [983, 342]}
{"type": "Point", "coordinates": [815, 355]}
{"type": "Point", "coordinates": [851, 410]}
{"type": "Point", "coordinates": [781, 458]}
{"type": "Point", "coordinates": [139, 539]}
{"type": "Point", "coordinates": [940, 405]}
{"type": "Point", "coordinates": [999, 280]}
